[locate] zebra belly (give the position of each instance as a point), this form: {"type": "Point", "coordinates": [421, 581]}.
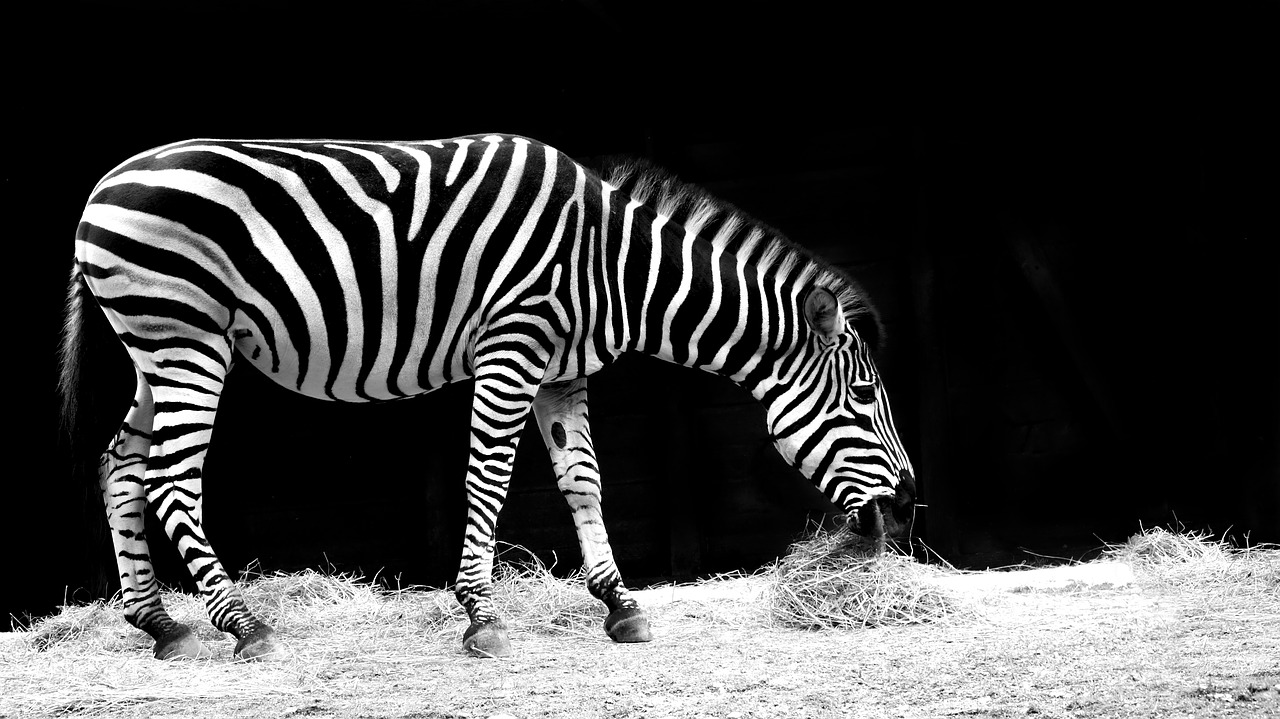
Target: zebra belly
{"type": "Point", "coordinates": [344, 388]}
{"type": "Point", "coordinates": [346, 383]}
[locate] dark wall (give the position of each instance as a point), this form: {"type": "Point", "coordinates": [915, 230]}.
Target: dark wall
{"type": "Point", "coordinates": [1073, 250]}
{"type": "Point", "coordinates": [1105, 318]}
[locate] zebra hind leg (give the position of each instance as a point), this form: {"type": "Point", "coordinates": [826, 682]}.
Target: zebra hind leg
{"type": "Point", "coordinates": [563, 419]}
{"type": "Point", "coordinates": [187, 386]}
{"type": "Point", "coordinates": [121, 474]}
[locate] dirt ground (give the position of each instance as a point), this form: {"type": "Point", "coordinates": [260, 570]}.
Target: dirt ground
{"type": "Point", "coordinates": [1079, 641]}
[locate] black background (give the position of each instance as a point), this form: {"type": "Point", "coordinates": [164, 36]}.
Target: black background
{"type": "Point", "coordinates": [1069, 221]}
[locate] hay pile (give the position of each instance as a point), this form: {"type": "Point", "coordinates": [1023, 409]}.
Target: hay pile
{"type": "Point", "coordinates": [836, 580]}
{"type": "Point", "coordinates": [338, 629]}
{"type": "Point", "coordinates": [1217, 579]}
{"type": "Point", "coordinates": [830, 580]}
{"type": "Point", "coordinates": [327, 612]}
{"type": "Point", "coordinates": [533, 599]}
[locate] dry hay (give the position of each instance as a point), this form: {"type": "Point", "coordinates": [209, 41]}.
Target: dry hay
{"type": "Point", "coordinates": [347, 635]}
{"type": "Point", "coordinates": [731, 600]}
{"type": "Point", "coordinates": [533, 599]}
{"type": "Point", "coordinates": [341, 630]}
{"type": "Point", "coordinates": [87, 660]}
{"type": "Point", "coordinates": [836, 580]}
{"type": "Point", "coordinates": [828, 580]}
{"type": "Point", "coordinates": [1216, 579]}
{"type": "Point", "coordinates": [315, 608]}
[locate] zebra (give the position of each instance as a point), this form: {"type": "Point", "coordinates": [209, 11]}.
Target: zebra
{"type": "Point", "coordinates": [361, 271]}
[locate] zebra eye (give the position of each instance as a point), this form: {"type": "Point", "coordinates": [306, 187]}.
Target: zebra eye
{"type": "Point", "coordinates": [864, 392]}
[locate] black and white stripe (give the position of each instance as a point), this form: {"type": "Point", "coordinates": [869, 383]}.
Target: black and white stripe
{"type": "Point", "coordinates": [365, 271]}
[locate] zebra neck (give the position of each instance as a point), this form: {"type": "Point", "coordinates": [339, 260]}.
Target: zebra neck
{"type": "Point", "coordinates": [691, 302]}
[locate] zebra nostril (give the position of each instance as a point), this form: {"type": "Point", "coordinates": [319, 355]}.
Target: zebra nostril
{"type": "Point", "coordinates": [906, 492]}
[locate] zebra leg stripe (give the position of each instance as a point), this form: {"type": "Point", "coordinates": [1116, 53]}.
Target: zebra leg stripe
{"type": "Point", "coordinates": [504, 392]}
{"type": "Point", "coordinates": [120, 472]}
{"type": "Point", "coordinates": [122, 479]}
{"type": "Point", "coordinates": [563, 419]}
{"type": "Point", "coordinates": [187, 387]}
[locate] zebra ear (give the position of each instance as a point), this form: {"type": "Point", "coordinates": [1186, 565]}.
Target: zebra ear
{"type": "Point", "coordinates": [822, 312]}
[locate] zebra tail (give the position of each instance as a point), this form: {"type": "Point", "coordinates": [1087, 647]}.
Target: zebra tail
{"type": "Point", "coordinates": [71, 353]}
{"type": "Point", "coordinates": [99, 565]}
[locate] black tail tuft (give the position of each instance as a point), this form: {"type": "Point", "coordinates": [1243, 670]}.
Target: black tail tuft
{"type": "Point", "coordinates": [99, 572]}
{"type": "Point", "coordinates": [71, 353]}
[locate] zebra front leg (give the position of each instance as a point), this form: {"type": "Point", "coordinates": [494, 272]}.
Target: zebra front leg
{"type": "Point", "coordinates": [121, 474]}
{"type": "Point", "coordinates": [562, 415]}
{"type": "Point", "coordinates": [500, 407]}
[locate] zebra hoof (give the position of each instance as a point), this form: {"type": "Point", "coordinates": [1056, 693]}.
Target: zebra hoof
{"type": "Point", "coordinates": [181, 643]}
{"type": "Point", "coordinates": [261, 645]}
{"type": "Point", "coordinates": [628, 624]}
{"type": "Point", "coordinates": [487, 639]}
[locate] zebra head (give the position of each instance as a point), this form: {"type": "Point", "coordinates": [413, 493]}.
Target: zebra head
{"type": "Point", "coordinates": [831, 420]}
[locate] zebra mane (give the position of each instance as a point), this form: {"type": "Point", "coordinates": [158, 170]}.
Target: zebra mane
{"type": "Point", "coordinates": [739, 234]}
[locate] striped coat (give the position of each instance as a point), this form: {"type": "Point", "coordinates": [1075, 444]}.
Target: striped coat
{"type": "Point", "coordinates": [359, 271]}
